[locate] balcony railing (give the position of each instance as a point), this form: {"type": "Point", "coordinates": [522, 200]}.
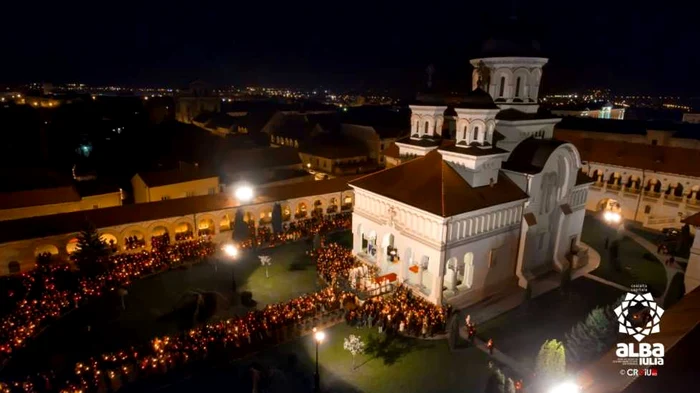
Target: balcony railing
{"type": "Point", "coordinates": [652, 194]}
{"type": "Point", "coordinates": [614, 187]}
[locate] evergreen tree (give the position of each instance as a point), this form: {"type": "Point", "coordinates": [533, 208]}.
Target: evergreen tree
{"type": "Point", "coordinates": [551, 362]}
{"type": "Point", "coordinates": [90, 252]}
{"type": "Point", "coordinates": [593, 336]}
{"type": "Point", "coordinates": [496, 382]}
{"type": "Point", "coordinates": [277, 218]}
{"type": "Point", "coordinates": [240, 228]}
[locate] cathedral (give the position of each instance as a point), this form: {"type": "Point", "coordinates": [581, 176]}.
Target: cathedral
{"type": "Point", "coordinates": [484, 199]}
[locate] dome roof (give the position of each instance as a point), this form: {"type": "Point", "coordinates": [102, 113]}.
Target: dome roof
{"type": "Point", "coordinates": [511, 39]}
{"type": "Point", "coordinates": [477, 99]}
{"type": "Point", "coordinates": [531, 155]}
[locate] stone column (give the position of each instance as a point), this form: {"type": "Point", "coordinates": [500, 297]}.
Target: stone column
{"type": "Point", "coordinates": [692, 272]}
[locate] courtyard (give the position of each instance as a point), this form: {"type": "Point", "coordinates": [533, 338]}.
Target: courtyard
{"type": "Point", "coordinates": [520, 333]}
{"type": "Point", "coordinates": [638, 266]}
{"type": "Point", "coordinates": [389, 365]}
{"type": "Point", "coordinates": [165, 303]}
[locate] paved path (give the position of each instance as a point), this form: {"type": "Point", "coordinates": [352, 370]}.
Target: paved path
{"type": "Point", "coordinates": [523, 370]}
{"type": "Point", "coordinates": [652, 248]}
{"type": "Point", "coordinates": [607, 282]}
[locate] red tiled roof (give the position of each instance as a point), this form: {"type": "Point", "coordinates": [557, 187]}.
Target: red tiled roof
{"type": "Point", "coordinates": [173, 176]}
{"type": "Point", "coordinates": [39, 197]}
{"type": "Point", "coordinates": [430, 184]}
{"type": "Point", "coordinates": [668, 159]}
{"type": "Point", "coordinates": [57, 224]}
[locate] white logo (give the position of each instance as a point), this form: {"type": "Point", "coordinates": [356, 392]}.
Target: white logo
{"type": "Point", "coordinates": [645, 318]}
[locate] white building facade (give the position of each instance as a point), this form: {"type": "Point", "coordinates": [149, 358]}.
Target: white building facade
{"type": "Point", "coordinates": [492, 209]}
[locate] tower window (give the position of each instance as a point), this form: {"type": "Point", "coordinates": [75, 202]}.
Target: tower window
{"type": "Point", "coordinates": [427, 130]}
{"type": "Point", "coordinates": [517, 87]}
{"type": "Point", "coordinates": [465, 133]}
{"type": "Point", "coordinates": [476, 134]}
{"type": "Point", "coordinates": [502, 89]}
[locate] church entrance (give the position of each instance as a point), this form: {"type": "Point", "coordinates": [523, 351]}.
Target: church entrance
{"type": "Point", "coordinates": [369, 244]}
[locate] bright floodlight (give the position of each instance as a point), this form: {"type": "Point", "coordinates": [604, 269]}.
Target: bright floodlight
{"type": "Point", "coordinates": [612, 217]}
{"type": "Point", "coordinates": [231, 250]}
{"type": "Point", "coordinates": [319, 336]}
{"type": "Point", "coordinates": [565, 387]}
{"type": "Point", "coordinates": [244, 193]}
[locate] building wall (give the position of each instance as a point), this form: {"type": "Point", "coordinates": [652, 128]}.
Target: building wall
{"type": "Point", "coordinates": [206, 186]}
{"type": "Point", "coordinates": [662, 138]}
{"type": "Point", "coordinates": [653, 209]}
{"type": "Point", "coordinates": [187, 108]}
{"type": "Point", "coordinates": [331, 165]}
{"type": "Point", "coordinates": [139, 189]}
{"type": "Point", "coordinates": [691, 117]}
{"type": "Point", "coordinates": [491, 235]}
{"type": "Point", "coordinates": [220, 221]}
{"type": "Point", "coordinates": [86, 203]}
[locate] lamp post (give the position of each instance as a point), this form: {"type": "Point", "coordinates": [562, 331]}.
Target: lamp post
{"type": "Point", "coordinates": [318, 337]}
{"type": "Point", "coordinates": [231, 251]}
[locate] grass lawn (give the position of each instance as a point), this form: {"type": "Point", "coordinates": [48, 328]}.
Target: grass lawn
{"type": "Point", "coordinates": [521, 332]}
{"type": "Point", "coordinates": [398, 365]}
{"type": "Point", "coordinates": [638, 265]}
{"type": "Point", "coordinates": [151, 302]}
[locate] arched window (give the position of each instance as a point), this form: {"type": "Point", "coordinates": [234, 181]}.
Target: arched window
{"type": "Point", "coordinates": [465, 133]}
{"type": "Point", "coordinates": [502, 88]}
{"type": "Point", "coordinates": [517, 87]}
{"type": "Point", "coordinates": [426, 128]}
{"type": "Point", "coordinates": [476, 134]}
{"type": "Point", "coordinates": [469, 269]}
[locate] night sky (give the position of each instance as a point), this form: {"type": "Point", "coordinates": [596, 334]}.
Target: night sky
{"type": "Point", "coordinates": [628, 46]}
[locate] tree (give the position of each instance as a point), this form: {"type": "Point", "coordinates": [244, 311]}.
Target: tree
{"type": "Point", "coordinates": [240, 228]}
{"type": "Point", "coordinates": [496, 382]}
{"type": "Point", "coordinates": [90, 252]}
{"type": "Point", "coordinates": [551, 361]}
{"type": "Point", "coordinates": [593, 336]}
{"type": "Point", "coordinates": [355, 346]}
{"type": "Point", "coordinates": [277, 218]}
{"type": "Point", "coordinates": [266, 261]}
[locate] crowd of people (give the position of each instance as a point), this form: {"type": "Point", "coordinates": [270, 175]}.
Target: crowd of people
{"type": "Point", "coordinates": [134, 243]}
{"type": "Point", "coordinates": [187, 235]}
{"type": "Point", "coordinates": [47, 295]}
{"type": "Point", "coordinates": [231, 338]}
{"type": "Point", "coordinates": [401, 312]}
{"type": "Point", "coordinates": [264, 236]}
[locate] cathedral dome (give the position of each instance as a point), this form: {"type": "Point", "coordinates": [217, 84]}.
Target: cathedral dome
{"type": "Point", "coordinates": [511, 39]}
{"type": "Point", "coordinates": [477, 99]}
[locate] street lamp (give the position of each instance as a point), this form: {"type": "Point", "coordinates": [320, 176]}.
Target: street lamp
{"type": "Point", "coordinates": [565, 387]}
{"type": "Point", "coordinates": [232, 252]}
{"type": "Point", "coordinates": [244, 193]}
{"type": "Point", "coordinates": [319, 336]}
{"type": "Point", "coordinates": [612, 217]}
